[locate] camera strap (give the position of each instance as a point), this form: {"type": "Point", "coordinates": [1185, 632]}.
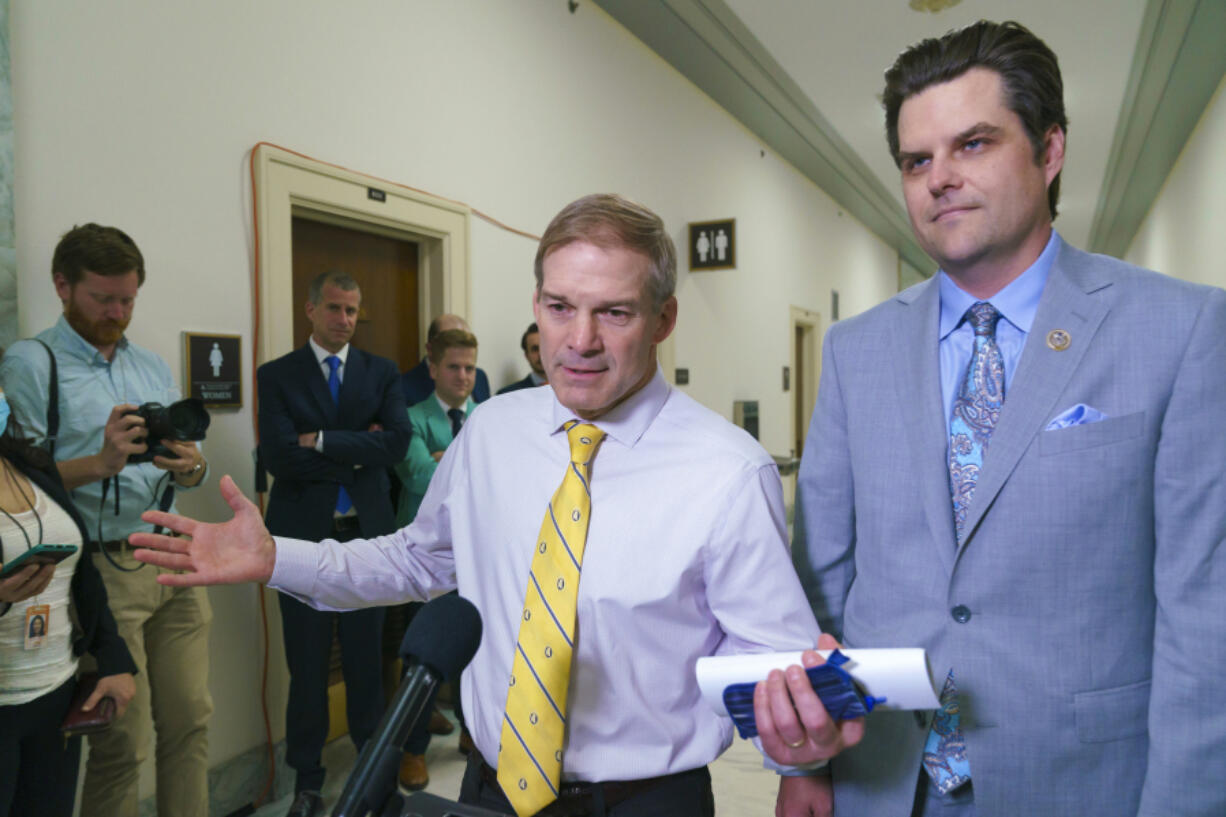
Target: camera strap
{"type": "Point", "coordinates": [168, 499]}
{"type": "Point", "coordinates": [106, 485]}
{"type": "Point", "coordinates": [53, 401]}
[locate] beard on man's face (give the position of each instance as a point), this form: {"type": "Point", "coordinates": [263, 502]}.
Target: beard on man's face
{"type": "Point", "coordinates": [102, 332]}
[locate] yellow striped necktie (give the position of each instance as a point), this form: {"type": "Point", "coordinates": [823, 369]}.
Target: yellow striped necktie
{"type": "Point", "coordinates": [534, 725]}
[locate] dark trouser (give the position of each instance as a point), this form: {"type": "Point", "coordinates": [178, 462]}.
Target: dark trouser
{"type": "Point", "coordinates": [308, 647]}
{"type": "Point", "coordinates": [930, 803]}
{"type": "Point", "coordinates": [38, 768]}
{"type": "Point", "coordinates": [686, 794]}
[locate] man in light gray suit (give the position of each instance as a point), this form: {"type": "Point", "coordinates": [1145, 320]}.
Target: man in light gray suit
{"type": "Point", "coordinates": [1018, 465]}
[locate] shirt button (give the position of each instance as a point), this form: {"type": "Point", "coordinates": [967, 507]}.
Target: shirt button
{"type": "Point", "coordinates": [961, 613]}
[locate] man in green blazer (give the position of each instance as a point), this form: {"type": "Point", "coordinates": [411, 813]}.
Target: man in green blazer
{"type": "Point", "coordinates": [435, 421]}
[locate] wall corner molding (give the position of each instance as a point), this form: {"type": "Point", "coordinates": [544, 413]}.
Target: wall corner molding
{"type": "Point", "coordinates": [709, 45]}
{"type": "Point", "coordinates": [1177, 65]}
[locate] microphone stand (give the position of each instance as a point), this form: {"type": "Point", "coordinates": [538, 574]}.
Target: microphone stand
{"type": "Point", "coordinates": [440, 641]}
{"type": "Point", "coordinates": [374, 776]}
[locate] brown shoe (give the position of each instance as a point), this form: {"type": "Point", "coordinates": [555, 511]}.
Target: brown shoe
{"type": "Point", "coordinates": [413, 774]}
{"type": "Point", "coordinates": [439, 725]}
{"type": "Point", "coordinates": [467, 747]}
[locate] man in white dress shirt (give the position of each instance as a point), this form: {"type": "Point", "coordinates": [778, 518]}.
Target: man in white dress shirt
{"type": "Point", "coordinates": [685, 550]}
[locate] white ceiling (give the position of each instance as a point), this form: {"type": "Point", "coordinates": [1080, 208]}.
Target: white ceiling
{"type": "Point", "coordinates": [804, 76]}
{"type": "Point", "coordinates": [837, 53]}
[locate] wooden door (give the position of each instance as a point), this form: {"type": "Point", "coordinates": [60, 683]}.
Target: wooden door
{"type": "Point", "coordinates": [385, 269]}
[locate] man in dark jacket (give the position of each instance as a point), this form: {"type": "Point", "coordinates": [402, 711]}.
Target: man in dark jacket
{"type": "Point", "coordinates": [531, 344]}
{"type": "Point", "coordinates": [332, 419]}
{"type": "Point", "coordinates": [417, 384]}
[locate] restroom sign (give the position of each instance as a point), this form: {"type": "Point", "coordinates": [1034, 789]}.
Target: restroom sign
{"type": "Point", "coordinates": [713, 244]}
{"type": "Point", "coordinates": [214, 369]}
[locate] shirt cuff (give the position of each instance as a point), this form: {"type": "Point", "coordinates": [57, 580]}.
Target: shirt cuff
{"type": "Point", "coordinates": [203, 479]}
{"type": "Point", "coordinates": [295, 567]}
{"type": "Point", "coordinates": [319, 441]}
{"type": "Point", "coordinates": [790, 771]}
{"type": "Point", "coordinates": [822, 769]}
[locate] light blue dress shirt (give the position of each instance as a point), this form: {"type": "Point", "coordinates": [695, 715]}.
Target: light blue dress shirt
{"type": "Point", "coordinates": [1017, 303]}
{"type": "Point", "coordinates": [90, 386]}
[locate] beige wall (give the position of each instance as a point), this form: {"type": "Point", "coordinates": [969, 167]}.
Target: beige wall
{"type": "Point", "coordinates": [142, 114]}
{"type": "Point", "coordinates": [1183, 233]}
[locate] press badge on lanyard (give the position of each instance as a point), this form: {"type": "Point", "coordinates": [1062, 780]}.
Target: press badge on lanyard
{"type": "Point", "coordinates": [38, 620]}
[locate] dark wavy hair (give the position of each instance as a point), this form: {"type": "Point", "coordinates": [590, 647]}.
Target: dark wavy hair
{"type": "Point", "coordinates": [1028, 70]}
{"type": "Point", "coordinates": [532, 329]}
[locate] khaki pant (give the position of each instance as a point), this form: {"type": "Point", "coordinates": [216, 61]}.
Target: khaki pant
{"type": "Point", "coordinates": [167, 632]}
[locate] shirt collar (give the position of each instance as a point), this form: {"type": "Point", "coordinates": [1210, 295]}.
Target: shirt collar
{"type": "Point", "coordinates": [322, 354]}
{"type": "Point", "coordinates": [627, 421]}
{"type": "Point", "coordinates": [82, 348]}
{"type": "Point", "coordinates": [446, 408]}
{"type": "Point", "coordinates": [1017, 303]}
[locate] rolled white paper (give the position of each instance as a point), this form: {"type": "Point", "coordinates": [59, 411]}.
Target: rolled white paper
{"type": "Point", "coordinates": [901, 676]}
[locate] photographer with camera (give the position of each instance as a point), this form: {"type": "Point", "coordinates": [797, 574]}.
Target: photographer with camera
{"type": "Point", "coordinates": [109, 413]}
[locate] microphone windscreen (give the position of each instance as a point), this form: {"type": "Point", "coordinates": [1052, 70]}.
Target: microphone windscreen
{"type": "Point", "coordinates": [443, 636]}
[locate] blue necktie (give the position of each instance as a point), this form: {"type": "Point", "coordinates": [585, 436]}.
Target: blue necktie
{"type": "Point", "coordinates": [457, 421]}
{"type": "Point", "coordinates": [975, 412]}
{"type": "Point", "coordinates": [343, 502]}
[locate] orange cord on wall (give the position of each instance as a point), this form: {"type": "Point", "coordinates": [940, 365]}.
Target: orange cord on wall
{"type": "Point", "coordinates": [255, 397]}
{"type": "Point", "coordinates": [401, 185]}
{"type": "Point", "coordinates": [255, 427]}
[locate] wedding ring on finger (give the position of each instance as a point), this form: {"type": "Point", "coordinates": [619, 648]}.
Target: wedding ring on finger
{"type": "Point", "coordinates": [795, 745]}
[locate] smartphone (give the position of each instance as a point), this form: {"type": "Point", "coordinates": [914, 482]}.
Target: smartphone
{"type": "Point", "coordinates": [38, 555]}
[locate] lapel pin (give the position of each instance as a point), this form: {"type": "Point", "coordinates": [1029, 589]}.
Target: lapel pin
{"type": "Point", "coordinates": [1058, 340]}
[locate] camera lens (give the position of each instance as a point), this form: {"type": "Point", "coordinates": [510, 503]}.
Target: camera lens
{"type": "Point", "coordinates": [185, 420]}
{"type": "Point", "coordinates": [188, 419]}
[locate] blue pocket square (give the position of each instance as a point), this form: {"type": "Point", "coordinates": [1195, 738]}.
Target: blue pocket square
{"type": "Point", "coordinates": [1078, 415]}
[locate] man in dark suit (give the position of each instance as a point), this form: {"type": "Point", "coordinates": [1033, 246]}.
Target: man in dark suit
{"type": "Point", "coordinates": [531, 344]}
{"type": "Point", "coordinates": [417, 384]}
{"type": "Point", "coordinates": [332, 420]}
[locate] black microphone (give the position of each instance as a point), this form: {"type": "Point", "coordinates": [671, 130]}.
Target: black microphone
{"type": "Point", "coordinates": [440, 641]}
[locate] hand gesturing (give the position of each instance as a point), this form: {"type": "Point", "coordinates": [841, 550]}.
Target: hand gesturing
{"type": "Point", "coordinates": [240, 550]}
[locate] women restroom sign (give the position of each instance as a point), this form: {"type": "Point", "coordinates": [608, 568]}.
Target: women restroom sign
{"type": "Point", "coordinates": [214, 369]}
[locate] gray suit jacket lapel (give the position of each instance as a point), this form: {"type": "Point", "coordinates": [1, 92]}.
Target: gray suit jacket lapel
{"type": "Point", "coordinates": [1069, 303]}
{"type": "Point", "coordinates": [917, 371]}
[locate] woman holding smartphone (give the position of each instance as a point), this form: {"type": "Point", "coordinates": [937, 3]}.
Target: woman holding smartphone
{"type": "Point", "coordinates": [49, 615]}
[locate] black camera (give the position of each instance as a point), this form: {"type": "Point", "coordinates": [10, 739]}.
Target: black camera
{"type": "Point", "coordinates": [185, 420]}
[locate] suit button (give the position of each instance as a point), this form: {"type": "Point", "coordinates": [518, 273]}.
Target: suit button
{"type": "Point", "coordinates": [961, 613]}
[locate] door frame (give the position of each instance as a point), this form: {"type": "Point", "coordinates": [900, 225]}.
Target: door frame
{"type": "Point", "coordinates": [289, 184]}
{"type": "Point", "coordinates": [811, 322]}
